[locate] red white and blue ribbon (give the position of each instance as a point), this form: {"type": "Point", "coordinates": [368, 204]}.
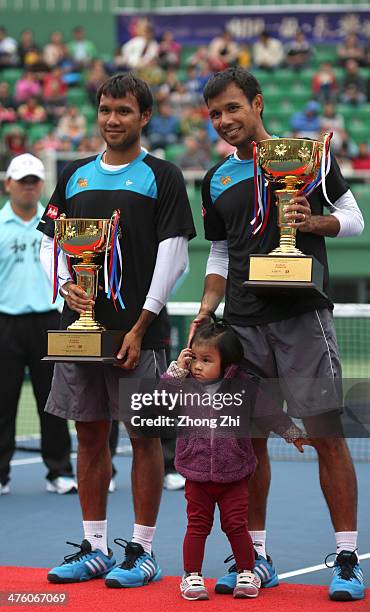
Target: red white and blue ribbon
{"type": "Point", "coordinates": [56, 251]}
{"type": "Point", "coordinates": [113, 276]}
{"type": "Point", "coordinates": [261, 198]}
{"type": "Point", "coordinates": [324, 171]}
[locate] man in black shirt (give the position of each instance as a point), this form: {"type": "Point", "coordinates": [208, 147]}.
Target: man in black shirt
{"type": "Point", "coordinates": [155, 225]}
{"type": "Point", "coordinates": [283, 338]}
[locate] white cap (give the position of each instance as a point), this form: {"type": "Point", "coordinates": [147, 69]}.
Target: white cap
{"type": "Point", "coordinates": [25, 165]}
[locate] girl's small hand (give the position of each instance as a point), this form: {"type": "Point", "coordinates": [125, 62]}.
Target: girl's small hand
{"type": "Point", "coordinates": [185, 358]}
{"type": "Point", "coordinates": [299, 442]}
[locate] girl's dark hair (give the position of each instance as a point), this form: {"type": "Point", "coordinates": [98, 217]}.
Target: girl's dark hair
{"type": "Point", "coordinates": [119, 85]}
{"type": "Point", "coordinates": [242, 78]}
{"type": "Point", "coordinates": [222, 336]}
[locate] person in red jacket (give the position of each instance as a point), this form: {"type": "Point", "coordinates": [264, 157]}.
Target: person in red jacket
{"type": "Point", "coordinates": [214, 451]}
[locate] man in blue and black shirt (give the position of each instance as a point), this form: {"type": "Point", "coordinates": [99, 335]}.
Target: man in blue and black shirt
{"type": "Point", "coordinates": [155, 224]}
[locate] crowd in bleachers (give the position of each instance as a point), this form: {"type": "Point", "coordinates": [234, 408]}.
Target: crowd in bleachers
{"type": "Point", "coordinates": [47, 93]}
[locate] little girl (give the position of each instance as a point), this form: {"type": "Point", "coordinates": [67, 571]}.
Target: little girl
{"type": "Point", "coordinates": [217, 469]}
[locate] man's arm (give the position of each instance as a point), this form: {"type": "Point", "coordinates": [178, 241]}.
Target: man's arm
{"type": "Point", "coordinates": [345, 219]}
{"type": "Point", "coordinates": [171, 262]}
{"type": "Point", "coordinates": [214, 284]}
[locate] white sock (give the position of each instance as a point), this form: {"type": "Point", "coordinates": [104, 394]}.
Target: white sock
{"type": "Point", "coordinates": [259, 542]}
{"type": "Point", "coordinates": [346, 540]}
{"type": "Point", "coordinates": [143, 535]}
{"type": "Point", "coordinates": [96, 534]}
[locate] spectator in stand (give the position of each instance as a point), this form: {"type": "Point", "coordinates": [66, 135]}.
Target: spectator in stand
{"type": "Point", "coordinates": [352, 96]}
{"type": "Point", "coordinates": [191, 120]}
{"type": "Point", "coordinates": [268, 52]}
{"type": "Point", "coordinates": [15, 142]}
{"type": "Point", "coordinates": [195, 83]}
{"type": "Point", "coordinates": [72, 126]}
{"type": "Point", "coordinates": [81, 50]}
{"type": "Point", "coordinates": [28, 49]}
{"type": "Point", "coordinates": [7, 114]}
{"type": "Point", "coordinates": [223, 52]}
{"type": "Point", "coordinates": [332, 121]}
{"type": "Point", "coordinates": [351, 49]}
{"type": "Point", "coordinates": [244, 57]}
{"type": "Point", "coordinates": [50, 142]}
{"type": "Point", "coordinates": [352, 76]}
{"type": "Point", "coordinates": [168, 51]}
{"type": "Point", "coordinates": [324, 83]}
{"type": "Point", "coordinates": [195, 157]}
{"type": "Point", "coordinates": [140, 50]}
{"type": "Point", "coordinates": [200, 59]}
{"type": "Point", "coordinates": [97, 74]}
{"type": "Point", "coordinates": [54, 93]}
{"type": "Point", "coordinates": [28, 85]}
{"type": "Point", "coordinates": [367, 53]}
{"type": "Point", "coordinates": [8, 50]}
{"type": "Point", "coordinates": [362, 160]}
{"type": "Point", "coordinates": [298, 52]}
{"type": "Point", "coordinates": [55, 50]}
{"type": "Point", "coordinates": [164, 127]}
{"type": "Point", "coordinates": [306, 123]}
{"type": "Point", "coordinates": [32, 111]}
{"type": "Point", "coordinates": [5, 98]}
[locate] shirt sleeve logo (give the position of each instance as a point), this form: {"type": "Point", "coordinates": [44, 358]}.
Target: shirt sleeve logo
{"type": "Point", "coordinates": [225, 180]}
{"type": "Point", "coordinates": [82, 182]}
{"type": "Point", "coordinates": [52, 211]}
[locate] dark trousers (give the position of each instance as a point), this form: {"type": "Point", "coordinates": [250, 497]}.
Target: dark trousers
{"type": "Point", "coordinates": [23, 342]}
{"type": "Point", "coordinates": [232, 500]}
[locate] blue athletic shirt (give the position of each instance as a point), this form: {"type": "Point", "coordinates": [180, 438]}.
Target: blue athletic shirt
{"type": "Point", "coordinates": [154, 205]}
{"type": "Point", "coordinates": [25, 287]}
{"type": "Point", "coordinates": [228, 209]}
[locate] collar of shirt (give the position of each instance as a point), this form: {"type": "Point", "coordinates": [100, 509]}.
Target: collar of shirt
{"type": "Point", "coordinates": [7, 214]}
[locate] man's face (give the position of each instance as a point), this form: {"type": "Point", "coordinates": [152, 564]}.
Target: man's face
{"type": "Point", "coordinates": [26, 192]}
{"type": "Point", "coordinates": [234, 118]}
{"type": "Point", "coordinates": [120, 121]}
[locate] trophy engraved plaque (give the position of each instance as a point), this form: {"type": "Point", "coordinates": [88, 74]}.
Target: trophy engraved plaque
{"type": "Point", "coordinates": [86, 339]}
{"type": "Point", "coordinates": [292, 164]}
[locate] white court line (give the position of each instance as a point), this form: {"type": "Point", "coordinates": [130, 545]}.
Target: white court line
{"type": "Point", "coordinates": [16, 462]}
{"type": "Point", "coordinates": [313, 568]}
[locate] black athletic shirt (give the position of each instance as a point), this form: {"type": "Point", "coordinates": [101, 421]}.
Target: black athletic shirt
{"type": "Point", "coordinates": [154, 205]}
{"type": "Point", "coordinates": [228, 209]}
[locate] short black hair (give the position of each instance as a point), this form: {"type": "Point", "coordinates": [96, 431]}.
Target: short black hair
{"type": "Point", "coordinates": [119, 85]}
{"type": "Point", "coordinates": [241, 77]}
{"type": "Point", "coordinates": [220, 335]}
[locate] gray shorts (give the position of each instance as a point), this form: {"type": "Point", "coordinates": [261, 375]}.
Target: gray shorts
{"type": "Point", "coordinates": [299, 360]}
{"type": "Point", "coordinates": [90, 392]}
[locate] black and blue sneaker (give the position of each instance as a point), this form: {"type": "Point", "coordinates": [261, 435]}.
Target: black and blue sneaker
{"type": "Point", "coordinates": [264, 570]}
{"type": "Point", "coordinates": [348, 580]}
{"type": "Point", "coordinates": [83, 565]}
{"type": "Point", "coordinates": [138, 568]}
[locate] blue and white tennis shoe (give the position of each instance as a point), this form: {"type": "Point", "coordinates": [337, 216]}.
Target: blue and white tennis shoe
{"type": "Point", "coordinates": [138, 568]}
{"type": "Point", "coordinates": [348, 580]}
{"type": "Point", "coordinates": [82, 566]}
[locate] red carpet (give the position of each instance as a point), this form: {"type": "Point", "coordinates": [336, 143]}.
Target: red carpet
{"type": "Point", "coordinates": [93, 596]}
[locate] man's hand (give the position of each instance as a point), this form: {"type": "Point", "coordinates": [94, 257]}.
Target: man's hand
{"type": "Point", "coordinates": [76, 297]}
{"type": "Point", "coordinates": [202, 317]}
{"type": "Point", "coordinates": [299, 214]}
{"type": "Point", "coordinates": [130, 350]}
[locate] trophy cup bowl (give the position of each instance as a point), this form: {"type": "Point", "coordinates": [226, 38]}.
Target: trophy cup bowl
{"type": "Point", "coordinates": [291, 164]}
{"type": "Point", "coordinates": [84, 239]}
{"type": "Point", "coordinates": [86, 340]}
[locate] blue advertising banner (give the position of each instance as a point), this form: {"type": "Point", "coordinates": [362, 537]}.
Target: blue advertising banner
{"type": "Point", "coordinates": [198, 28]}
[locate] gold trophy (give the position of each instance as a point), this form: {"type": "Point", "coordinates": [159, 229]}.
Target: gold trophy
{"type": "Point", "coordinates": [86, 339]}
{"type": "Point", "coordinates": [291, 163]}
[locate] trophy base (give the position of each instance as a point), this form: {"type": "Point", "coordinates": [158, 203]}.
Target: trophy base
{"type": "Point", "coordinates": [279, 275]}
{"type": "Point", "coordinates": [84, 346]}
